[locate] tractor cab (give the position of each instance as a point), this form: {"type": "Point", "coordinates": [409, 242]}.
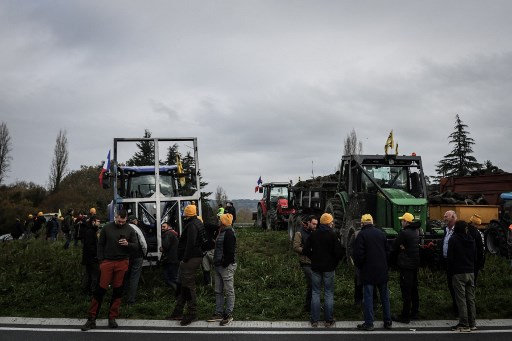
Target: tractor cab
{"type": "Point", "coordinates": [386, 186]}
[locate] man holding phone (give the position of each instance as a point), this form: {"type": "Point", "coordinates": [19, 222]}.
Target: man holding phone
{"type": "Point", "coordinates": [116, 241]}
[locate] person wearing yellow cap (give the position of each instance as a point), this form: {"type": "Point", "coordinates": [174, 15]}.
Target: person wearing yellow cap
{"type": "Point", "coordinates": [39, 224]}
{"type": "Point", "coordinates": [474, 221]}
{"type": "Point", "coordinates": [324, 250]}
{"type": "Point", "coordinates": [407, 250]}
{"type": "Point", "coordinates": [224, 260]}
{"type": "Point", "coordinates": [370, 254]}
{"type": "Point", "coordinates": [190, 256]}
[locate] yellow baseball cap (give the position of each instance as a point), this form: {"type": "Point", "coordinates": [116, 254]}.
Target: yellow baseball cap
{"type": "Point", "coordinates": [367, 218]}
{"type": "Point", "coordinates": [407, 217]}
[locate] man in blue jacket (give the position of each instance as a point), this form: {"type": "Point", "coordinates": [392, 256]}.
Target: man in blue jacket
{"type": "Point", "coordinates": [370, 254]}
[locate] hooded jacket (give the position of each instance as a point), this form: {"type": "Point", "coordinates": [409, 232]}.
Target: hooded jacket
{"type": "Point", "coordinates": [189, 245]}
{"type": "Point", "coordinates": [409, 237]}
{"type": "Point", "coordinates": [461, 254]}
{"type": "Point", "coordinates": [323, 249]}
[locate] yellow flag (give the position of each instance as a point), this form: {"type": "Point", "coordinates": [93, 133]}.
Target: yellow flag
{"type": "Point", "coordinates": [180, 170]}
{"type": "Point", "coordinates": [389, 142]}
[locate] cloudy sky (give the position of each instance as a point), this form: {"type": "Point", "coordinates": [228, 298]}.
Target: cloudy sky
{"type": "Point", "coordinates": [269, 88]}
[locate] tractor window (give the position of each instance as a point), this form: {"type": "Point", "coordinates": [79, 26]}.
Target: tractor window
{"type": "Point", "coordinates": [144, 186]}
{"type": "Point", "coordinates": [407, 179]}
{"type": "Point", "coordinates": [277, 192]}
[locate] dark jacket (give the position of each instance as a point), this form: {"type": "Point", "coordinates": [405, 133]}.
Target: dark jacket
{"type": "Point", "coordinates": [461, 254]}
{"type": "Point", "coordinates": [225, 247]}
{"type": "Point", "coordinates": [170, 247]}
{"type": "Point", "coordinates": [370, 254]}
{"type": "Point", "coordinates": [323, 249]}
{"type": "Point", "coordinates": [67, 224]}
{"type": "Point", "coordinates": [231, 210]}
{"type": "Point", "coordinates": [189, 245]}
{"type": "Point", "coordinates": [17, 230]}
{"type": "Point", "coordinates": [479, 244]}
{"type": "Point", "coordinates": [90, 246]}
{"type": "Point", "coordinates": [409, 237]}
{"type": "Point", "coordinates": [39, 222]}
{"type": "Point", "coordinates": [108, 242]}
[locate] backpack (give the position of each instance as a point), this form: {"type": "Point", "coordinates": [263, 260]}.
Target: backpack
{"type": "Point", "coordinates": [203, 239]}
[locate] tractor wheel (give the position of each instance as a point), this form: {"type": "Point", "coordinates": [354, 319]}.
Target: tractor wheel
{"type": "Point", "coordinates": [291, 226]}
{"type": "Point", "coordinates": [259, 218]}
{"type": "Point", "coordinates": [349, 243]}
{"type": "Point", "coordinates": [271, 219]}
{"type": "Point", "coordinates": [495, 240]}
{"type": "Point", "coordinates": [335, 208]}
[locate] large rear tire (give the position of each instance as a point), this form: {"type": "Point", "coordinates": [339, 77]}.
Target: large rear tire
{"type": "Point", "coordinates": [292, 223]}
{"type": "Point", "coordinates": [271, 220]}
{"type": "Point", "coordinates": [495, 239]}
{"type": "Point", "coordinates": [335, 208]}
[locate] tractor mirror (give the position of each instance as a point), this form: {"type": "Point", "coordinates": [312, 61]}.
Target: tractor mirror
{"type": "Point", "coordinates": [260, 190]}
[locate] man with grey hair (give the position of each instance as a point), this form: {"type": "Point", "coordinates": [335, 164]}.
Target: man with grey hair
{"type": "Point", "coordinates": [450, 217]}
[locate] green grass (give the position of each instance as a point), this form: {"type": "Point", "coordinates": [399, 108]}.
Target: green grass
{"type": "Point", "coordinates": [41, 279]}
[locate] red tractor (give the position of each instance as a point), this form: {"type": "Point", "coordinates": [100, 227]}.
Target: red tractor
{"type": "Point", "coordinates": [273, 211]}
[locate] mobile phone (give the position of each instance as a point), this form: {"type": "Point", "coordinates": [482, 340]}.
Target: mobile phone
{"type": "Point", "coordinates": [122, 236]}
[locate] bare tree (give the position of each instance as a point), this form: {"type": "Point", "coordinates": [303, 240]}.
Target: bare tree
{"type": "Point", "coordinates": [59, 162]}
{"type": "Point", "coordinates": [220, 196]}
{"type": "Point", "coordinates": [5, 149]}
{"type": "Point", "coordinates": [352, 145]}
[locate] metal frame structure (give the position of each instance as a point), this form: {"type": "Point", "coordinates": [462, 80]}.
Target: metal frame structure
{"type": "Point", "coordinates": [159, 197]}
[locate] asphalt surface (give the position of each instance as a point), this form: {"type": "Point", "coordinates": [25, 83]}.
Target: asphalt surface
{"type": "Point", "coordinates": [55, 329]}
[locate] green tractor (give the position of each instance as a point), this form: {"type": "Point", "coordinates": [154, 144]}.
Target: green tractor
{"type": "Point", "coordinates": [385, 186]}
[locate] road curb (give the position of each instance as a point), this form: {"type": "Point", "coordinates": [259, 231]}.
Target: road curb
{"type": "Point", "coordinates": [281, 325]}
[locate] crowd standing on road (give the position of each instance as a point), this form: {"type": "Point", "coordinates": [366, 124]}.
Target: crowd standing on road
{"type": "Point", "coordinates": [107, 256]}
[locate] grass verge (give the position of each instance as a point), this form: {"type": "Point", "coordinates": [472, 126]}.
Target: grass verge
{"type": "Point", "coordinates": [41, 279]}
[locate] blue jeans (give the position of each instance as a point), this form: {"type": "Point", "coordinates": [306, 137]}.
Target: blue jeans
{"type": "Point", "coordinates": [133, 278]}
{"type": "Point", "coordinates": [316, 283]}
{"type": "Point", "coordinates": [171, 273]}
{"type": "Point", "coordinates": [368, 302]}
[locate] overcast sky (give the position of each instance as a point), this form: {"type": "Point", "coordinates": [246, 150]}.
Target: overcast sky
{"type": "Point", "coordinates": [269, 88]}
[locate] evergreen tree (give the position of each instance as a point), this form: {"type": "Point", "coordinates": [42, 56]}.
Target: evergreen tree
{"type": "Point", "coordinates": [459, 162]}
{"type": "Point", "coordinates": [146, 154]}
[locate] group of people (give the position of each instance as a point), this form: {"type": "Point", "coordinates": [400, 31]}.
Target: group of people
{"type": "Point", "coordinates": [37, 226]}
{"type": "Point", "coordinates": [319, 251]}
{"type": "Point", "coordinates": [182, 256]}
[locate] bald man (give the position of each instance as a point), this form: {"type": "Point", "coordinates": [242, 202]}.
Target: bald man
{"type": "Point", "coordinates": [450, 217]}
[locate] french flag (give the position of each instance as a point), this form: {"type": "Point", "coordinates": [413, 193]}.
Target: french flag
{"type": "Point", "coordinates": [105, 168]}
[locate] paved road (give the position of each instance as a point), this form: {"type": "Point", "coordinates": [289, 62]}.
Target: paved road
{"type": "Point", "coordinates": [12, 328]}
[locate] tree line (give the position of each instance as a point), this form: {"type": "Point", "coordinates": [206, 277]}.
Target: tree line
{"type": "Point", "coordinates": [79, 188]}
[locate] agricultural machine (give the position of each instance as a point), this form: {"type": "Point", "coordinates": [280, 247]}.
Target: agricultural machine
{"type": "Point", "coordinates": [386, 186]}
{"type": "Point", "coordinates": [489, 196]}
{"type": "Point", "coordinates": [155, 193]}
{"type": "Point", "coordinates": [273, 211]}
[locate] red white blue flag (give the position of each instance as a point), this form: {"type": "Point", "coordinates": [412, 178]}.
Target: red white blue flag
{"type": "Point", "coordinates": [105, 168]}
